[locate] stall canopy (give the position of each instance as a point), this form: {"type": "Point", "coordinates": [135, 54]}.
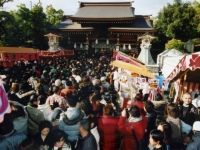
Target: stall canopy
{"type": "Point", "coordinates": [168, 60]}
{"type": "Point", "coordinates": [117, 55]}
{"type": "Point", "coordinates": [131, 64]}
{"type": "Point", "coordinates": [132, 68]}
{"type": "Point", "coordinates": [8, 55]}
{"type": "Point", "coordinates": [189, 67]}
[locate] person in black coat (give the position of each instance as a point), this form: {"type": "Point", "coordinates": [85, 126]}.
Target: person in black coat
{"type": "Point", "coordinates": [59, 141]}
{"type": "Point", "coordinates": [188, 112]}
{"type": "Point", "coordinates": [43, 138]}
{"type": "Point", "coordinates": [156, 140]}
{"type": "Point", "coordinates": [150, 115]}
{"type": "Point", "coordinates": [87, 142]}
{"type": "Point", "coordinates": [151, 118]}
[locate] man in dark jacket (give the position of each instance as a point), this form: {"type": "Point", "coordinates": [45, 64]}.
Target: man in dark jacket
{"type": "Point", "coordinates": [188, 112]}
{"type": "Point", "coordinates": [87, 142]}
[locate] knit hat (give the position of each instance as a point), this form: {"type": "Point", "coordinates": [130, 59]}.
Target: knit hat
{"type": "Point", "coordinates": [196, 126]}
{"type": "Point", "coordinates": [103, 79]}
{"type": "Point", "coordinates": [63, 82]}
{"type": "Point", "coordinates": [58, 82]}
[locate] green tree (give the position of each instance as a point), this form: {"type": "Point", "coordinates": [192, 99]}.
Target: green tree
{"type": "Point", "coordinates": [196, 6]}
{"type": "Point", "coordinates": [177, 21]}
{"type": "Point", "coordinates": [8, 29]}
{"type": "Point", "coordinates": [27, 27]}
{"type": "Point", "coordinates": [32, 26]}
{"type": "Point", "coordinates": [54, 17]}
{"type": "Point", "coordinates": [39, 27]}
{"type": "Point", "coordinates": [24, 24]}
{"type": "Point", "coordinates": [175, 44]}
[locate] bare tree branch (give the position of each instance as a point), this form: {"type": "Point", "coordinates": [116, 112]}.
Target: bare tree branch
{"type": "Point", "coordinates": [2, 2]}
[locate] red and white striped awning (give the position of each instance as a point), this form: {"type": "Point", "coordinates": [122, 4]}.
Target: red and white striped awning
{"type": "Point", "coordinates": [187, 63]}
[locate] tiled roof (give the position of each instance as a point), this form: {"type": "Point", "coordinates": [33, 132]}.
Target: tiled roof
{"type": "Point", "coordinates": [139, 23]}
{"type": "Point", "coordinates": [104, 12]}
{"type": "Point", "coordinates": [72, 26]}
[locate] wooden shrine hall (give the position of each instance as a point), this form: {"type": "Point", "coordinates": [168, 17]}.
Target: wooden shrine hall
{"type": "Point", "coordinates": [104, 26]}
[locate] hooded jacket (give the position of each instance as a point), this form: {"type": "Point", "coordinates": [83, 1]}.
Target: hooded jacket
{"type": "Point", "coordinates": [12, 140]}
{"type": "Point", "coordinates": [21, 122]}
{"type": "Point", "coordinates": [35, 116]}
{"type": "Point", "coordinates": [69, 123]}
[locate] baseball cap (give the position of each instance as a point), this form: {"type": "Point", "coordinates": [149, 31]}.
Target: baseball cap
{"type": "Point", "coordinates": [196, 126]}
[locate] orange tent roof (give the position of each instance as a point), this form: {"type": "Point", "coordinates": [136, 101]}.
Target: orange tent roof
{"type": "Point", "coordinates": [17, 50]}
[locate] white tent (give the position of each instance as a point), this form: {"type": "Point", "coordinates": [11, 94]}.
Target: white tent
{"type": "Point", "coordinates": [167, 61]}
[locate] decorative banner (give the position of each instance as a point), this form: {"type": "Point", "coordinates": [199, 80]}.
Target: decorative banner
{"type": "Point", "coordinates": [195, 61]}
{"type": "Point", "coordinates": [4, 104]}
{"type": "Point", "coordinates": [191, 62]}
{"type": "Point", "coordinates": [128, 59]}
{"type": "Point", "coordinates": [60, 53]}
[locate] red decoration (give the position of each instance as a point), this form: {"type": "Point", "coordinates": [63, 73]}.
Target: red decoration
{"type": "Point", "coordinates": [195, 61]}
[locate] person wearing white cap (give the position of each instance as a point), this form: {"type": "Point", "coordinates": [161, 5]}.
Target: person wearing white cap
{"type": "Point", "coordinates": [195, 143]}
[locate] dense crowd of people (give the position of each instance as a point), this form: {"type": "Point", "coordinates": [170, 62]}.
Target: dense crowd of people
{"type": "Point", "coordinates": [63, 104]}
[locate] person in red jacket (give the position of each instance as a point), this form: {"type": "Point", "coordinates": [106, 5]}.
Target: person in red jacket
{"type": "Point", "coordinates": [132, 129]}
{"type": "Point", "coordinates": [138, 102]}
{"type": "Point", "coordinates": [108, 129]}
{"type": "Point", "coordinates": [68, 90]}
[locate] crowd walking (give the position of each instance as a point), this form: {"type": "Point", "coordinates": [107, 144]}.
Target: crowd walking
{"type": "Point", "coordinates": [77, 104]}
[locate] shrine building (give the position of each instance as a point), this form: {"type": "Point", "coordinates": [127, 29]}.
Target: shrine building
{"type": "Point", "coordinates": [104, 26]}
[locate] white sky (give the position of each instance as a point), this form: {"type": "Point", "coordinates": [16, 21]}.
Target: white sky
{"type": "Point", "coordinates": [142, 7]}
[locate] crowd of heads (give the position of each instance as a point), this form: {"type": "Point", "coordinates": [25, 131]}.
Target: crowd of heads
{"type": "Point", "coordinates": [56, 103]}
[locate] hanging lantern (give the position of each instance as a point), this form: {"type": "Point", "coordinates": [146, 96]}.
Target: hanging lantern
{"type": "Point", "coordinates": [129, 46]}
{"type": "Point", "coordinates": [117, 47]}
{"type": "Point", "coordinates": [81, 46]}
{"type": "Point", "coordinates": [107, 41]}
{"type": "Point", "coordinates": [124, 46]}
{"type": "Point", "coordinates": [96, 41]}
{"type": "Point", "coordinates": [86, 46]}
{"type": "Point", "coordinates": [74, 45]}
